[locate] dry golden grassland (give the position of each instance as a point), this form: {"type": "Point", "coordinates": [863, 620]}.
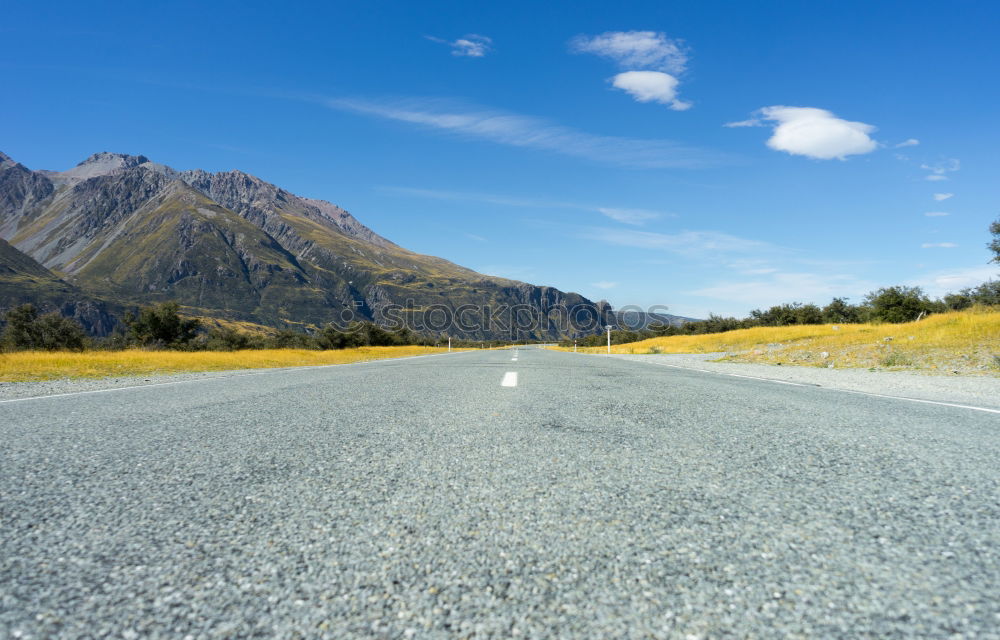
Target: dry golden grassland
{"type": "Point", "coordinates": [44, 365]}
{"type": "Point", "coordinates": [961, 341]}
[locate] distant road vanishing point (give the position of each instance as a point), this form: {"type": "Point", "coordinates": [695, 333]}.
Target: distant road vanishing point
{"type": "Point", "coordinates": [496, 494]}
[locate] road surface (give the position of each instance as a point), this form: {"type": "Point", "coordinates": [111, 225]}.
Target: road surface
{"type": "Point", "coordinates": [477, 495]}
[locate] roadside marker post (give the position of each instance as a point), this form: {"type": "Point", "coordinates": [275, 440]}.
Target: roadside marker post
{"type": "Point", "coordinates": [449, 344]}
{"type": "Point", "coordinates": [609, 339]}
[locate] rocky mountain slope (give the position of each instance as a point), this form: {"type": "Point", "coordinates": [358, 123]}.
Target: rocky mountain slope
{"type": "Point", "coordinates": [23, 280]}
{"type": "Point", "coordinates": [230, 245]}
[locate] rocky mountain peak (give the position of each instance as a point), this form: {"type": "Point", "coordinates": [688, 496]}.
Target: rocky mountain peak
{"type": "Point", "coordinates": [103, 163]}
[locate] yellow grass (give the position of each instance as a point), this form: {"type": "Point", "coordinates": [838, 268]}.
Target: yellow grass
{"type": "Point", "coordinates": [966, 341]}
{"type": "Point", "coordinates": [43, 365]}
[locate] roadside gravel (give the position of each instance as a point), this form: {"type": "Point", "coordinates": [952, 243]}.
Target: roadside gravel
{"type": "Point", "coordinates": [978, 391]}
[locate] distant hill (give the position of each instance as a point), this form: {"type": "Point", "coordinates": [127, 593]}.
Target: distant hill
{"type": "Point", "coordinates": [23, 280]}
{"type": "Point", "coordinates": [636, 320]}
{"type": "Point", "coordinates": [229, 245]}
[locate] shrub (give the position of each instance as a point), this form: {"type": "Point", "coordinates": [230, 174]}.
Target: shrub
{"type": "Point", "coordinates": [161, 326]}
{"type": "Point", "coordinates": [51, 332]}
{"type": "Point", "coordinates": [898, 304]}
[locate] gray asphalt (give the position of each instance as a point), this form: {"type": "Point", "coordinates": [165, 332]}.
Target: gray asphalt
{"type": "Point", "coordinates": [599, 498]}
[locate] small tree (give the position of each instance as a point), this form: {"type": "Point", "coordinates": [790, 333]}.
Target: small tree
{"type": "Point", "coordinates": [840, 311]}
{"type": "Point", "coordinates": [898, 304]}
{"type": "Point", "coordinates": [50, 332]}
{"type": "Point", "coordinates": [161, 326]}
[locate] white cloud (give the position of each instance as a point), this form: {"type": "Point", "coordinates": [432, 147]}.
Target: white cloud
{"type": "Point", "coordinates": [943, 196]}
{"type": "Point", "coordinates": [472, 236]}
{"type": "Point", "coordinates": [945, 166]}
{"type": "Point", "coordinates": [629, 216]}
{"type": "Point", "coordinates": [938, 245]}
{"type": "Point", "coordinates": [685, 242]}
{"type": "Point", "coordinates": [604, 284]}
{"type": "Point", "coordinates": [651, 86]}
{"type": "Point", "coordinates": [912, 142]}
{"type": "Point", "coordinates": [938, 283]}
{"type": "Point", "coordinates": [471, 46]}
{"type": "Point", "coordinates": [815, 133]}
{"type": "Point", "coordinates": [636, 50]}
{"type": "Point", "coordinates": [938, 170]}
{"type": "Point", "coordinates": [783, 287]}
{"type": "Point", "coordinates": [936, 214]}
{"type": "Point", "coordinates": [619, 214]}
{"type": "Point", "coordinates": [535, 133]}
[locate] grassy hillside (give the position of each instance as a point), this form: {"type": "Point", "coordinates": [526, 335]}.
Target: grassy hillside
{"type": "Point", "coordinates": [44, 365]}
{"type": "Point", "coordinates": [966, 341]}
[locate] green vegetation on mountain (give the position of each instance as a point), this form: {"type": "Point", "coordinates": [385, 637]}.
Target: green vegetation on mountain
{"type": "Point", "coordinates": [232, 247]}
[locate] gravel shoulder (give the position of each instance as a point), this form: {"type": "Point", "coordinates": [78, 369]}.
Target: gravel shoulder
{"type": "Point", "coordinates": [978, 391]}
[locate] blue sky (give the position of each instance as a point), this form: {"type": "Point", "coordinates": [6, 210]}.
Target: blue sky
{"type": "Point", "coordinates": [582, 145]}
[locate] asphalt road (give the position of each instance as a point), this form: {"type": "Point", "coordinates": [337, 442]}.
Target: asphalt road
{"type": "Point", "coordinates": [589, 498]}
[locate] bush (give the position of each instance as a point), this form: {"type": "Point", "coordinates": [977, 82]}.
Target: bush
{"type": "Point", "coordinates": [51, 332]}
{"type": "Point", "coordinates": [161, 326]}
{"type": "Point", "coordinates": [898, 304]}
{"type": "Point", "coordinates": [840, 312]}
{"type": "Point", "coordinates": [788, 314]}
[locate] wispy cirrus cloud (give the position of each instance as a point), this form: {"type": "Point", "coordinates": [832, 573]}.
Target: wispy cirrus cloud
{"type": "Point", "coordinates": [635, 49]}
{"type": "Point", "coordinates": [938, 245]}
{"type": "Point", "coordinates": [604, 284]}
{"type": "Point", "coordinates": [636, 217]}
{"type": "Point", "coordinates": [936, 214]}
{"type": "Point", "coordinates": [943, 196]}
{"type": "Point", "coordinates": [784, 286]}
{"type": "Point", "coordinates": [684, 242]}
{"type": "Point", "coordinates": [530, 132]}
{"type": "Point", "coordinates": [938, 283]}
{"type": "Point", "coordinates": [471, 45]}
{"type": "Point", "coordinates": [939, 170]}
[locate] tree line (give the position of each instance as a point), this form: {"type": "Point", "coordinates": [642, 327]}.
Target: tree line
{"type": "Point", "coordinates": [889, 304]}
{"type": "Point", "coordinates": [161, 326]}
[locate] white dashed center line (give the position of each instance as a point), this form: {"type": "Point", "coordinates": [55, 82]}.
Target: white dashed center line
{"type": "Point", "coordinates": [509, 379]}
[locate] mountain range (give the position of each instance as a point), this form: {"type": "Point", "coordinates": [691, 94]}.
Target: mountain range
{"type": "Point", "coordinates": [118, 231]}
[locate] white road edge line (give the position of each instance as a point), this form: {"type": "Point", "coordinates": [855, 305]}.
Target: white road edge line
{"type": "Point", "coordinates": [796, 384]}
{"type": "Point", "coordinates": [224, 377]}
{"type": "Point", "coordinates": [509, 379]}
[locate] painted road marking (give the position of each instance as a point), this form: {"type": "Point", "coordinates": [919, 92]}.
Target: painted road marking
{"type": "Point", "coordinates": [509, 379]}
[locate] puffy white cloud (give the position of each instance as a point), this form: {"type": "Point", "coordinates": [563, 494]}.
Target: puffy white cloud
{"type": "Point", "coordinates": [471, 46]}
{"type": "Point", "coordinates": [935, 177]}
{"type": "Point", "coordinates": [912, 142]}
{"type": "Point", "coordinates": [635, 50]}
{"type": "Point", "coordinates": [936, 214]}
{"type": "Point", "coordinates": [651, 86]}
{"type": "Point", "coordinates": [812, 132]}
{"type": "Point", "coordinates": [938, 245]}
{"type": "Point", "coordinates": [942, 196]}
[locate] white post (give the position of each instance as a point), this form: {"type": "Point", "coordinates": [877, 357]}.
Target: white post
{"type": "Point", "coordinates": [449, 344]}
{"type": "Point", "coordinates": [609, 339]}
{"type": "Point", "coordinates": [574, 346]}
